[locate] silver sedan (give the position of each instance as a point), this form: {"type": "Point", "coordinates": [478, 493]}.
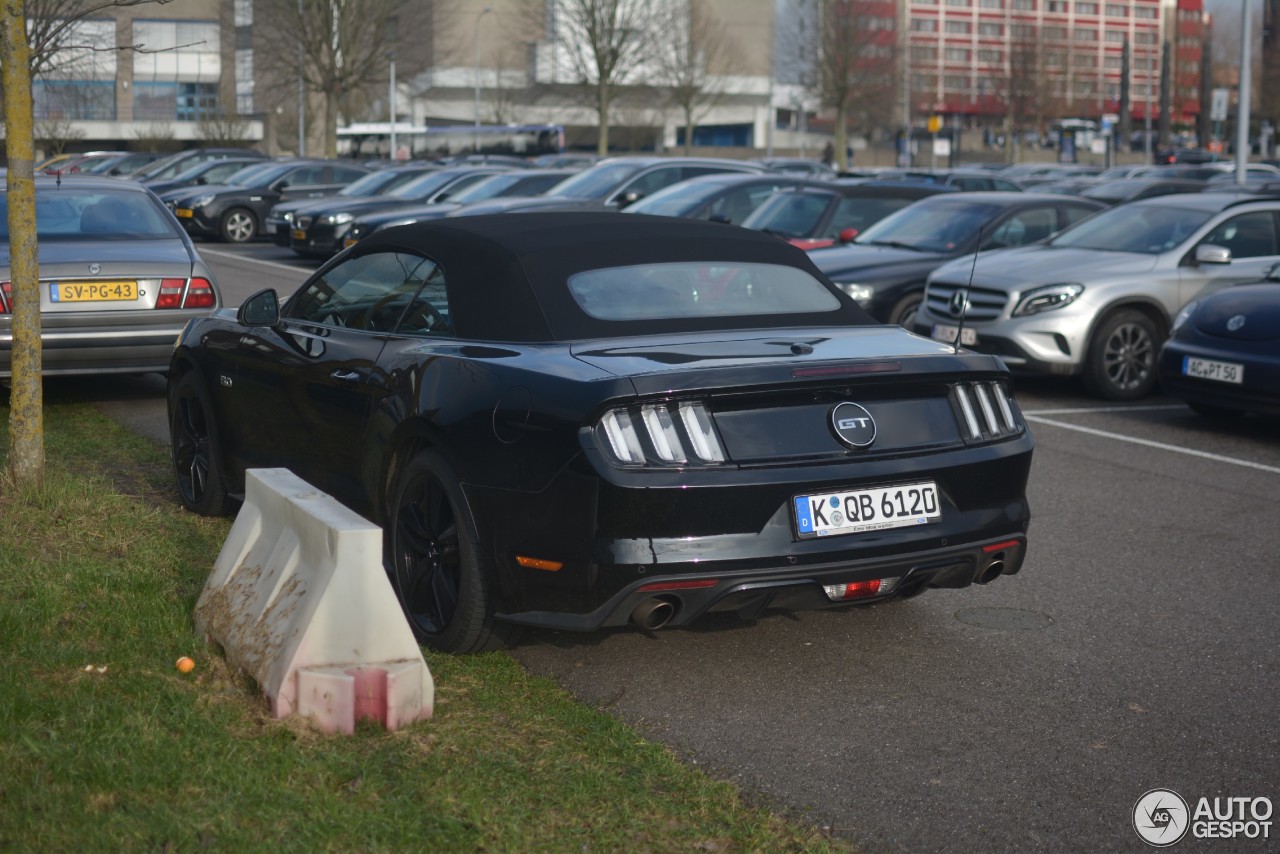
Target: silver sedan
{"type": "Point", "coordinates": [119, 278]}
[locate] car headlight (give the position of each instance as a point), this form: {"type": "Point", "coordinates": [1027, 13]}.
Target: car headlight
{"type": "Point", "coordinates": [287, 216]}
{"type": "Point", "coordinates": [861, 294]}
{"type": "Point", "coordinates": [1047, 298]}
{"type": "Point", "coordinates": [339, 218]}
{"type": "Point", "coordinates": [1184, 315]}
{"type": "Point", "coordinates": [200, 202]}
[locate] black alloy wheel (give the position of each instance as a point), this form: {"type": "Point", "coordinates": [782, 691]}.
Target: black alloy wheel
{"type": "Point", "coordinates": [432, 558]}
{"type": "Point", "coordinates": [1122, 357]}
{"type": "Point", "coordinates": [197, 456]}
{"type": "Point", "coordinates": [905, 310]}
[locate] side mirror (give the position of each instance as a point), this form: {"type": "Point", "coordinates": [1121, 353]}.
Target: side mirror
{"type": "Point", "coordinates": [261, 309]}
{"type": "Point", "coordinates": [1207, 253]}
{"type": "Point", "coordinates": [847, 234]}
{"type": "Point", "coordinates": [629, 198]}
{"type": "Point", "coordinates": [202, 180]}
{"type": "Point", "coordinates": [1273, 275]}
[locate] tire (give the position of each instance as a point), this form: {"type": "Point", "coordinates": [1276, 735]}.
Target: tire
{"type": "Point", "coordinates": [904, 311]}
{"type": "Point", "coordinates": [432, 557]}
{"type": "Point", "coordinates": [1121, 363]}
{"type": "Point", "coordinates": [238, 225]}
{"type": "Point", "coordinates": [196, 451]}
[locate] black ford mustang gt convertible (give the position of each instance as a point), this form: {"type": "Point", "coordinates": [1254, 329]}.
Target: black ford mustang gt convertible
{"type": "Point", "coordinates": [576, 420]}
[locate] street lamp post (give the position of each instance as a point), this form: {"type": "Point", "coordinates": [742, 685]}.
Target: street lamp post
{"type": "Point", "coordinates": [1242, 108]}
{"type": "Point", "coordinates": [476, 67]}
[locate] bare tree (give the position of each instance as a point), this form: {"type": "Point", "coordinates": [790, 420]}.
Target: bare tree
{"type": "Point", "coordinates": [692, 53]}
{"type": "Point", "coordinates": [54, 134]}
{"type": "Point", "coordinates": [1025, 85]}
{"type": "Point", "coordinates": [340, 48]}
{"type": "Point", "coordinates": [857, 55]}
{"type": "Point", "coordinates": [26, 400]}
{"type": "Point", "coordinates": [605, 44]}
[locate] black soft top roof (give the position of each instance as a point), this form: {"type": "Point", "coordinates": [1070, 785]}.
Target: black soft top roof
{"type": "Point", "coordinates": [507, 274]}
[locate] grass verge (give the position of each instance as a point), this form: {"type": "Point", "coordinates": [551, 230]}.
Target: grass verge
{"type": "Point", "coordinates": [105, 746]}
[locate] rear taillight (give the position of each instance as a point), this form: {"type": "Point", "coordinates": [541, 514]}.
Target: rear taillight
{"type": "Point", "coordinates": [860, 589]}
{"type": "Point", "coordinates": [6, 297]}
{"type": "Point", "coordinates": [985, 411]}
{"type": "Point", "coordinates": [199, 294]}
{"type": "Point", "coordinates": [177, 293]}
{"type": "Point", "coordinates": [660, 434]}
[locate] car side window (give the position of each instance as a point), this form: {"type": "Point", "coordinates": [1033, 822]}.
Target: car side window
{"type": "Point", "coordinates": [377, 292]}
{"type": "Point", "coordinates": [737, 204]}
{"type": "Point", "coordinates": [1071, 214]}
{"type": "Point", "coordinates": [344, 175]}
{"type": "Point", "coordinates": [306, 177]}
{"type": "Point", "coordinates": [1249, 235]}
{"type": "Point", "coordinates": [653, 181]}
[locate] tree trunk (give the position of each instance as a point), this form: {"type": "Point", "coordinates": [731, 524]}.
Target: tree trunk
{"type": "Point", "coordinates": [330, 124]}
{"type": "Point", "coordinates": [26, 399]}
{"type": "Point", "coordinates": [842, 138]}
{"type": "Point", "coordinates": [688, 129]}
{"type": "Point", "coordinates": [602, 108]}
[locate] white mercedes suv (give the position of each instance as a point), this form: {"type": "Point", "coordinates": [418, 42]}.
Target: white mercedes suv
{"type": "Point", "coordinates": [1100, 297]}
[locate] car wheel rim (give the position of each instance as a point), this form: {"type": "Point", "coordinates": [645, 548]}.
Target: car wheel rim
{"type": "Point", "coordinates": [239, 227]}
{"type": "Point", "coordinates": [908, 319]}
{"type": "Point", "coordinates": [427, 556]}
{"type": "Point", "coordinates": [191, 449]}
{"type": "Point", "coordinates": [1128, 357]}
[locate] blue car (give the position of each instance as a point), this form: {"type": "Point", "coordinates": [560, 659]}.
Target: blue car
{"type": "Point", "coordinates": [1223, 358]}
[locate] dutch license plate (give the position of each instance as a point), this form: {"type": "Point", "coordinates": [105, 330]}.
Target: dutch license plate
{"type": "Point", "coordinates": [184, 213]}
{"type": "Point", "coordinates": [61, 292]}
{"type": "Point", "coordinates": [944, 332]}
{"type": "Point", "coordinates": [861, 510]}
{"type": "Point", "coordinates": [1207, 369]}
{"type": "Point", "coordinates": [299, 234]}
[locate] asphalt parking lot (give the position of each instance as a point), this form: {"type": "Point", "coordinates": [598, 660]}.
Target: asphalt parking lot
{"type": "Point", "coordinates": [1136, 649]}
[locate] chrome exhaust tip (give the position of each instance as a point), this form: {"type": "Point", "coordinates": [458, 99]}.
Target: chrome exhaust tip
{"type": "Point", "coordinates": [653, 613]}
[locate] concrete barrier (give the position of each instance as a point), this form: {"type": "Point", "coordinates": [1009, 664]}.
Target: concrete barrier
{"type": "Point", "coordinates": [299, 600]}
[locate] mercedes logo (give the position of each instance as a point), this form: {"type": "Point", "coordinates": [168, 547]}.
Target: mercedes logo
{"type": "Point", "coordinates": [853, 424]}
{"type": "Point", "coordinates": [1235, 323]}
{"type": "Point", "coordinates": [958, 304]}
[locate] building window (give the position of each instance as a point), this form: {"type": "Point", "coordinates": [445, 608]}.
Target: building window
{"type": "Point", "coordinates": [1111, 62]}
{"type": "Point", "coordinates": [1116, 10]}
{"type": "Point", "coordinates": [959, 27]}
{"type": "Point", "coordinates": [1056, 33]}
{"type": "Point", "coordinates": [1086, 35]}
{"type": "Point", "coordinates": [957, 2]}
{"type": "Point", "coordinates": [990, 57]}
{"type": "Point", "coordinates": [957, 54]}
{"type": "Point", "coordinates": [1023, 5]}
{"type": "Point", "coordinates": [989, 29]}
{"type": "Point", "coordinates": [73, 100]}
{"type": "Point", "coordinates": [177, 52]}
{"type": "Point", "coordinates": [244, 82]}
{"type": "Point", "coordinates": [184, 102]}
{"type": "Point", "coordinates": [1147, 12]}
{"type": "Point", "coordinates": [956, 82]}
{"type": "Point", "coordinates": [1145, 37]}
{"type": "Point", "coordinates": [991, 4]}
{"type": "Point", "coordinates": [923, 53]}
{"type": "Point", "coordinates": [1056, 6]}
{"type": "Point", "coordinates": [1115, 36]}
{"type": "Point", "coordinates": [924, 25]}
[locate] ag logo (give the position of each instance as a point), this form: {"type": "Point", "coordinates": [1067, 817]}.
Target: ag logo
{"type": "Point", "coordinates": [1161, 817]}
{"type": "Point", "coordinates": [853, 425]}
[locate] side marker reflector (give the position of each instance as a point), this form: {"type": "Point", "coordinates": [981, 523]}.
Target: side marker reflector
{"type": "Point", "coordinates": [539, 563]}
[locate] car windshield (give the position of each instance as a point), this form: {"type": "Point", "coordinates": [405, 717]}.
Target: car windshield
{"type": "Point", "coordinates": [790, 214]}
{"type": "Point", "coordinates": [699, 289]}
{"type": "Point", "coordinates": [377, 183]}
{"type": "Point", "coordinates": [64, 214]}
{"type": "Point", "coordinates": [1149, 229]}
{"type": "Point", "coordinates": [424, 185]}
{"type": "Point", "coordinates": [249, 174]}
{"type": "Point", "coordinates": [675, 200]}
{"type": "Point", "coordinates": [597, 182]}
{"type": "Point", "coordinates": [931, 226]}
{"type": "Point", "coordinates": [496, 185]}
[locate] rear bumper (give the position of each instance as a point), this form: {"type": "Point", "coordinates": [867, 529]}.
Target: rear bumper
{"type": "Point", "coordinates": [123, 349]}
{"type": "Point", "coordinates": [750, 594]}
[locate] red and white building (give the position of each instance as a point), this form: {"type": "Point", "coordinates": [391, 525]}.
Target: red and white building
{"type": "Point", "coordinates": [959, 54]}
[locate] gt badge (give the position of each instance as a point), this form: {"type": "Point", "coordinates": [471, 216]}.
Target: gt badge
{"type": "Point", "coordinates": [853, 425]}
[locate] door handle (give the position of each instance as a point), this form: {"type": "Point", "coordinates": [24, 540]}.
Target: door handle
{"type": "Point", "coordinates": [345, 376]}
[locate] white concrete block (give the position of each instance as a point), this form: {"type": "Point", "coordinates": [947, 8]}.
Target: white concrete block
{"type": "Point", "coordinates": [298, 599]}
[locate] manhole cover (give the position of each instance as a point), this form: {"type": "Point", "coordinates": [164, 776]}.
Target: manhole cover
{"type": "Point", "coordinates": [1006, 619]}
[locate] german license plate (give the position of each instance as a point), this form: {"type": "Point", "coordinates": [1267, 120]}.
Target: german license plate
{"type": "Point", "coordinates": [184, 213]}
{"type": "Point", "coordinates": [1207, 369]}
{"type": "Point", "coordinates": [61, 292]}
{"type": "Point", "coordinates": [299, 234]}
{"type": "Point", "coordinates": [861, 510]}
{"type": "Point", "coordinates": [947, 333]}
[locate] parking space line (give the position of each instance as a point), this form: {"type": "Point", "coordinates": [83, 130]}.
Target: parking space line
{"type": "Point", "coordinates": [1119, 437]}
{"type": "Point", "coordinates": [1085, 410]}
{"type": "Point", "coordinates": [234, 256]}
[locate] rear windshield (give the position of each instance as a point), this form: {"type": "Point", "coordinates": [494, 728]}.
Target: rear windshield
{"type": "Point", "coordinates": [699, 289]}
{"type": "Point", "coordinates": [68, 214]}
